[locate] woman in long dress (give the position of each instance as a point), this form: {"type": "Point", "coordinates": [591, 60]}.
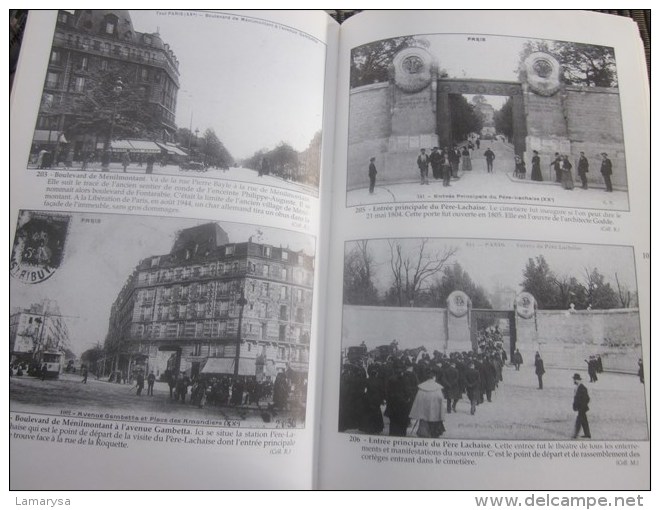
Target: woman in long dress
{"type": "Point", "coordinates": [536, 167]}
{"type": "Point", "coordinates": [566, 174]}
{"type": "Point", "coordinates": [467, 162]}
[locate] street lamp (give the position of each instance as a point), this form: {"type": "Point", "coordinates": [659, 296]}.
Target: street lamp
{"type": "Point", "coordinates": [116, 91]}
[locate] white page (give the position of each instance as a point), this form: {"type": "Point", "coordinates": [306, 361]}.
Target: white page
{"type": "Point", "coordinates": [257, 79]}
{"type": "Point", "coordinates": [523, 439]}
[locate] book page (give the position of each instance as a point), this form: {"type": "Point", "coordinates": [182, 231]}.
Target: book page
{"type": "Point", "coordinates": [490, 230]}
{"type": "Point", "coordinates": [166, 226]}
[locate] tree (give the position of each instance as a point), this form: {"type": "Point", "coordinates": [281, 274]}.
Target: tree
{"type": "Point", "coordinates": [108, 96]}
{"type": "Point", "coordinates": [412, 269]}
{"type": "Point", "coordinates": [569, 291]}
{"type": "Point", "coordinates": [215, 153]}
{"type": "Point", "coordinates": [91, 356]}
{"type": "Point", "coordinates": [538, 280]}
{"type": "Point", "coordinates": [504, 119]}
{"type": "Point", "coordinates": [359, 288]}
{"type": "Point", "coordinates": [455, 278]}
{"type": "Point", "coordinates": [627, 297]}
{"type": "Point", "coordinates": [465, 118]}
{"type": "Point", "coordinates": [582, 64]}
{"type": "Point", "coordinates": [600, 294]}
{"type": "Point", "coordinates": [370, 62]}
{"type": "Point", "coordinates": [587, 64]}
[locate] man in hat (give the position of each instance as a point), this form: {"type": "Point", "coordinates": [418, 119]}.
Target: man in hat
{"type": "Point", "coordinates": [581, 405]}
{"type": "Point", "coordinates": [423, 165]}
{"type": "Point", "coordinates": [606, 171]}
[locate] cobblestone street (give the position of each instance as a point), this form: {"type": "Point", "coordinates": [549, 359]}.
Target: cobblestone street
{"type": "Point", "coordinates": [52, 396]}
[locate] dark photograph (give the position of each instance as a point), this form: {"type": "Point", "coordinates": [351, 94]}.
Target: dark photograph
{"type": "Point", "coordinates": [438, 340]}
{"type": "Point", "coordinates": [151, 92]}
{"type": "Point", "coordinates": [483, 118]}
{"type": "Point", "coordinates": [165, 318]}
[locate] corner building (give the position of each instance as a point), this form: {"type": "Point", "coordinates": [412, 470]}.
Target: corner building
{"type": "Point", "coordinates": [181, 311]}
{"type": "Point", "coordinates": [88, 44]}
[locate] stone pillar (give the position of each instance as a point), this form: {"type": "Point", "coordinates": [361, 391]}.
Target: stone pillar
{"type": "Point", "coordinates": [547, 129]}
{"type": "Point", "coordinates": [413, 112]}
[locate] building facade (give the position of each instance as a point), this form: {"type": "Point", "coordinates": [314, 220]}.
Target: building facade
{"type": "Point", "coordinates": [99, 64]}
{"type": "Point", "coordinates": [34, 331]}
{"type": "Point", "coordinates": [184, 311]}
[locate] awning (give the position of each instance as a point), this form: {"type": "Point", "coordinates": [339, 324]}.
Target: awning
{"type": "Point", "coordinates": [144, 146]}
{"type": "Point", "coordinates": [171, 149]}
{"type": "Point", "coordinates": [226, 366]}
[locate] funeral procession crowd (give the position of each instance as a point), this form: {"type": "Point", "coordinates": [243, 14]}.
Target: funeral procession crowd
{"type": "Point", "coordinates": [416, 391]}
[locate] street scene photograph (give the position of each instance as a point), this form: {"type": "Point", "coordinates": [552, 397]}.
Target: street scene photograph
{"type": "Point", "coordinates": [483, 118]}
{"type": "Point", "coordinates": [160, 317]}
{"type": "Point", "coordinates": [438, 340]}
{"type": "Point", "coordinates": [155, 92]}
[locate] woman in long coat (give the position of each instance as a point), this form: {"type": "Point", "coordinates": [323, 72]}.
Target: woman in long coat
{"type": "Point", "coordinates": [536, 167]}
{"type": "Point", "coordinates": [465, 160]}
{"type": "Point", "coordinates": [427, 407]}
{"type": "Point", "coordinates": [566, 174]}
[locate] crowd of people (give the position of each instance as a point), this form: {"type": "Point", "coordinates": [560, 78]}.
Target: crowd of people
{"type": "Point", "coordinates": [419, 390]}
{"type": "Point", "coordinates": [445, 164]}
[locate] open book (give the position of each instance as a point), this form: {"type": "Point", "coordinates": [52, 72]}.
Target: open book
{"type": "Point", "coordinates": [410, 252]}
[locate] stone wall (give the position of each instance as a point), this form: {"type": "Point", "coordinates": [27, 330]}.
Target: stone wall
{"type": "Point", "coordinates": [565, 339]}
{"type": "Point", "coordinates": [574, 119]}
{"type": "Point", "coordinates": [368, 132]}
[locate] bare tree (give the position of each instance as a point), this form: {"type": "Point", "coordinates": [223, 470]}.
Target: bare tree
{"type": "Point", "coordinates": [358, 285]}
{"type": "Point", "coordinates": [625, 296]}
{"type": "Point", "coordinates": [412, 269]}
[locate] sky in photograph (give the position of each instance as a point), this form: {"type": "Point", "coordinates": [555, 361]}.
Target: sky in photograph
{"type": "Point", "coordinates": [99, 257]}
{"type": "Point", "coordinates": [255, 85]}
{"type": "Point", "coordinates": [493, 264]}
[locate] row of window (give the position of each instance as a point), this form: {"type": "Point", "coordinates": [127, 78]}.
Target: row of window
{"type": "Point", "coordinates": [220, 309]}
{"type": "Point", "coordinates": [223, 269]}
{"type": "Point", "coordinates": [219, 329]}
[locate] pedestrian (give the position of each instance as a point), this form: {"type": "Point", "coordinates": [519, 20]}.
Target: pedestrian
{"type": "Point", "coordinates": [445, 167]}
{"type": "Point", "coordinates": [517, 359]}
{"type": "Point", "coordinates": [490, 156]}
{"type": "Point", "coordinates": [556, 165]}
{"type": "Point", "coordinates": [182, 384]}
{"type": "Point", "coordinates": [423, 165]}
{"type": "Point", "coordinates": [520, 170]}
{"type": "Point", "coordinates": [401, 391]}
{"type": "Point", "coordinates": [583, 169]}
{"type": "Point", "coordinates": [478, 142]}
{"type": "Point", "coordinates": [455, 160]}
{"type": "Point", "coordinates": [536, 167]}
{"type": "Point", "coordinates": [427, 408]}
{"type": "Point", "coordinates": [472, 386]}
{"type": "Point", "coordinates": [465, 159]}
{"type": "Point", "coordinates": [139, 382]}
{"type": "Point", "coordinates": [581, 405]}
{"type": "Point", "coordinates": [566, 174]}
{"type": "Point", "coordinates": [171, 382]}
{"type": "Point", "coordinates": [372, 174]}
{"type": "Point", "coordinates": [151, 159]}
{"type": "Point", "coordinates": [436, 161]}
{"type": "Point", "coordinates": [539, 369]}
{"type": "Point", "coordinates": [126, 160]}
{"type": "Point", "coordinates": [606, 171]}
{"type": "Point", "coordinates": [592, 368]}
{"type": "Point", "coordinates": [151, 379]}
{"type": "Point", "coordinates": [83, 371]}
{"type": "Point", "coordinates": [44, 371]}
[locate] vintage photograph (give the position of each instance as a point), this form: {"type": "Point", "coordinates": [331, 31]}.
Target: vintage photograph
{"type": "Point", "coordinates": [161, 92]}
{"type": "Point", "coordinates": [490, 339]}
{"type": "Point", "coordinates": [483, 118]}
{"type": "Point", "coordinates": [150, 316]}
